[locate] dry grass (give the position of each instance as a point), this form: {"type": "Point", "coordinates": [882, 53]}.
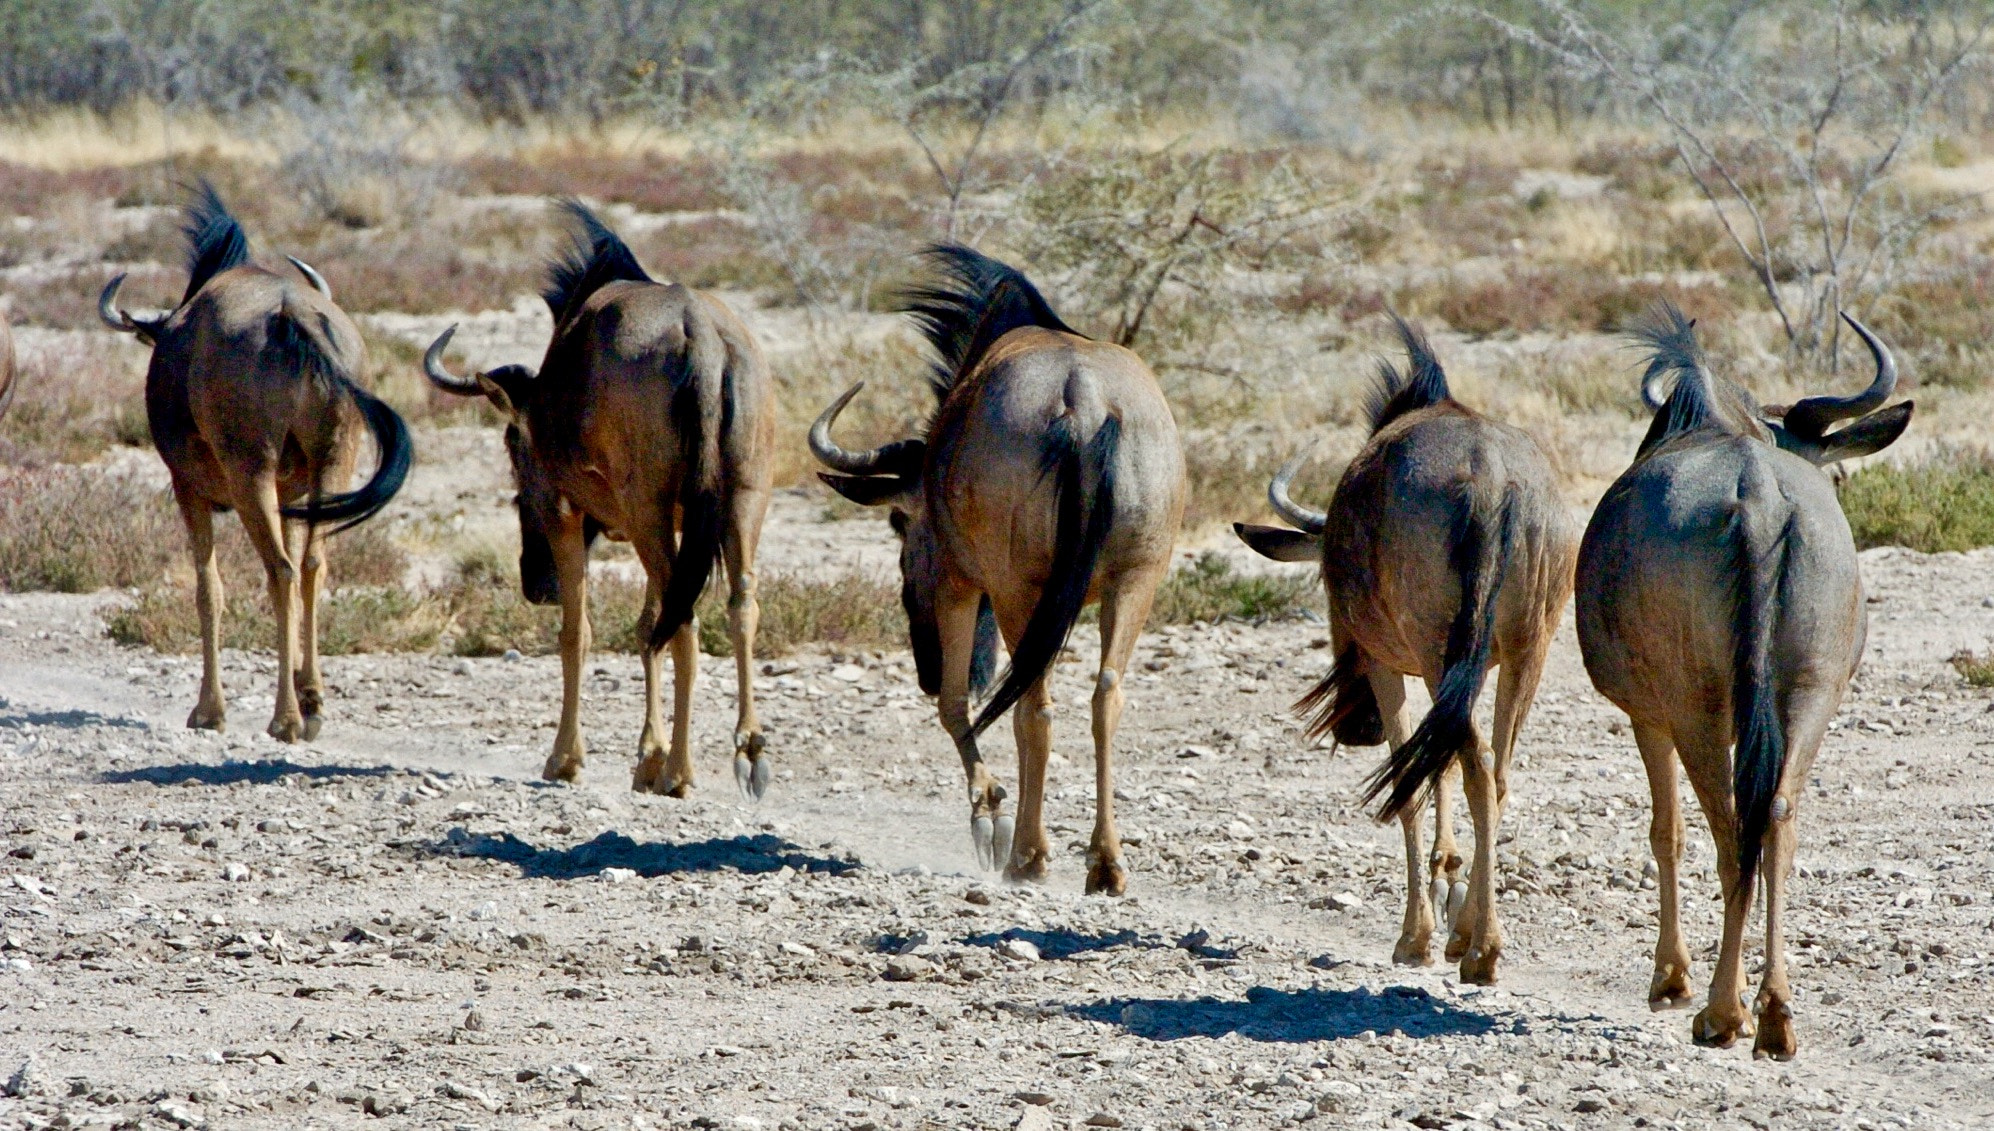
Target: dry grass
{"type": "Point", "coordinates": [1210, 590]}
{"type": "Point", "coordinates": [1977, 669]}
{"type": "Point", "coordinates": [74, 531]}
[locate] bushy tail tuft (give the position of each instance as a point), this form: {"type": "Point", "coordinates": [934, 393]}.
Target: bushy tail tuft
{"type": "Point", "coordinates": [1482, 547]}
{"type": "Point", "coordinates": [699, 410]}
{"type": "Point", "coordinates": [1760, 758]}
{"type": "Point", "coordinates": [1083, 528]}
{"type": "Point", "coordinates": [297, 349]}
{"type": "Point", "coordinates": [1344, 704]}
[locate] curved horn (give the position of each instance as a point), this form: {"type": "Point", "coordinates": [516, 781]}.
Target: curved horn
{"type": "Point", "coordinates": [1651, 390]}
{"type": "Point", "coordinates": [1811, 417]}
{"type": "Point", "coordinates": [834, 457]}
{"type": "Point", "coordinates": [1310, 521]}
{"type": "Point", "coordinates": [432, 367]}
{"type": "Point", "coordinates": [107, 306]}
{"type": "Point", "coordinates": [311, 276]}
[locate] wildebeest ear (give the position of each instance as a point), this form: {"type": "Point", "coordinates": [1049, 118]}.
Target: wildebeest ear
{"type": "Point", "coordinates": [507, 387]}
{"type": "Point", "coordinates": [1279, 542]}
{"type": "Point", "coordinates": [867, 490]}
{"type": "Point", "coordinates": [1867, 436]}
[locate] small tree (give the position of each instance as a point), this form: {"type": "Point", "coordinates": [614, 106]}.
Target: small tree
{"type": "Point", "coordinates": [1793, 121]}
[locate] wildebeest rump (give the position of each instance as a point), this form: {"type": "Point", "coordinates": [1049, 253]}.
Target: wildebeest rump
{"type": "Point", "coordinates": [1049, 477]}
{"type": "Point", "coordinates": [254, 401]}
{"type": "Point", "coordinates": [652, 420]}
{"type": "Point", "coordinates": [1720, 605]}
{"type": "Point", "coordinates": [1445, 552]}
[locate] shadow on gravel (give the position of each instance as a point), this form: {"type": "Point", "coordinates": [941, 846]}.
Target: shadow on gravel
{"type": "Point", "coordinates": [232, 773]}
{"type": "Point", "coordinates": [1066, 944]}
{"type": "Point", "coordinates": [763, 853]}
{"type": "Point", "coordinates": [67, 720]}
{"type": "Point", "coordinates": [1294, 1015]}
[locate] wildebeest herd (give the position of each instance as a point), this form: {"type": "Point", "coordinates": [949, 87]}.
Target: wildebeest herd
{"type": "Point", "coordinates": [1719, 603]}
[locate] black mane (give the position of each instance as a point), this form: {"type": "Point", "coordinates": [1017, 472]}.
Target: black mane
{"type": "Point", "coordinates": [215, 242]}
{"type": "Point", "coordinates": [977, 301]}
{"type": "Point", "coordinates": [1395, 392]}
{"type": "Point", "coordinates": [595, 256]}
{"type": "Point", "coordinates": [1699, 399]}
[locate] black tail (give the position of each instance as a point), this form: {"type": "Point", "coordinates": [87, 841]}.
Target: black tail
{"type": "Point", "coordinates": [1760, 758]}
{"type": "Point", "coordinates": [397, 453]}
{"type": "Point", "coordinates": [700, 410]}
{"type": "Point", "coordinates": [1083, 529]}
{"type": "Point", "coordinates": [1344, 704]}
{"type": "Point", "coordinates": [1482, 545]}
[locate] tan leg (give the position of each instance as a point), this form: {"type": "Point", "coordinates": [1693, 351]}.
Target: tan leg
{"type": "Point", "coordinates": [1450, 891]}
{"type": "Point", "coordinates": [1124, 611]}
{"type": "Point", "coordinates": [1776, 1038]}
{"type": "Point", "coordinates": [1415, 943]}
{"type": "Point", "coordinates": [571, 576]}
{"type": "Point", "coordinates": [649, 776]}
{"type": "Point", "coordinates": [990, 830]}
{"type": "Point", "coordinates": [1487, 783]}
{"type": "Point", "coordinates": [744, 616]}
{"type": "Point", "coordinates": [1669, 989]}
{"type": "Point", "coordinates": [685, 673]}
{"type": "Point", "coordinates": [1031, 723]}
{"type": "Point", "coordinates": [1723, 1018]}
{"type": "Point", "coordinates": [257, 504]}
{"type": "Point", "coordinates": [209, 709]}
{"type": "Point", "coordinates": [311, 574]}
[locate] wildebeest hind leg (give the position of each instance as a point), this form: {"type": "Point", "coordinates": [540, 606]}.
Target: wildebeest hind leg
{"type": "Point", "coordinates": [685, 672]}
{"type": "Point", "coordinates": [1669, 988]}
{"type": "Point", "coordinates": [1124, 609]}
{"type": "Point", "coordinates": [649, 775]}
{"type": "Point", "coordinates": [570, 549]}
{"type": "Point", "coordinates": [1415, 944]}
{"type": "Point", "coordinates": [209, 709]}
{"type": "Point", "coordinates": [955, 623]}
{"type": "Point", "coordinates": [1031, 723]}
{"type": "Point", "coordinates": [311, 573]}
{"type": "Point", "coordinates": [744, 616]}
{"type": "Point", "coordinates": [256, 502]}
{"type": "Point", "coordinates": [1706, 755]}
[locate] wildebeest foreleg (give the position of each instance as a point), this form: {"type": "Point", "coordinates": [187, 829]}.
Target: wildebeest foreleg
{"type": "Point", "coordinates": [209, 709]}
{"type": "Point", "coordinates": [989, 828]}
{"type": "Point", "coordinates": [257, 504]}
{"type": "Point", "coordinates": [311, 572]}
{"type": "Point", "coordinates": [1031, 723]}
{"type": "Point", "coordinates": [1416, 932]}
{"type": "Point", "coordinates": [649, 775]}
{"type": "Point", "coordinates": [570, 550]}
{"type": "Point", "coordinates": [1669, 989]}
{"type": "Point", "coordinates": [1124, 609]}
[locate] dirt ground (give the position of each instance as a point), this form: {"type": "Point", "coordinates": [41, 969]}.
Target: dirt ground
{"type": "Point", "coordinates": [401, 925]}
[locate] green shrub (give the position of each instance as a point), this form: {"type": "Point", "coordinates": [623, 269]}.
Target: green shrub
{"type": "Point", "coordinates": [1946, 504]}
{"type": "Point", "coordinates": [1209, 590]}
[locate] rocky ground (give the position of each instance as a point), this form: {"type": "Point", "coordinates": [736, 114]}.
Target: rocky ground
{"type": "Point", "coordinates": [401, 925]}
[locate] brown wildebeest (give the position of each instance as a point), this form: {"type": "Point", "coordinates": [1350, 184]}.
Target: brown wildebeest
{"type": "Point", "coordinates": [1050, 476]}
{"type": "Point", "coordinates": [7, 369]}
{"type": "Point", "coordinates": [1445, 552]}
{"type": "Point", "coordinates": [652, 419]}
{"type": "Point", "coordinates": [255, 404]}
{"type": "Point", "coordinates": [1720, 604]}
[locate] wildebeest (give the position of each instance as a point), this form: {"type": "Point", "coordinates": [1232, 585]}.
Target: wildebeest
{"type": "Point", "coordinates": [1445, 552]}
{"type": "Point", "coordinates": [255, 404]}
{"type": "Point", "coordinates": [1049, 477]}
{"type": "Point", "coordinates": [7, 369]}
{"type": "Point", "coordinates": [652, 419]}
{"type": "Point", "coordinates": [1720, 606]}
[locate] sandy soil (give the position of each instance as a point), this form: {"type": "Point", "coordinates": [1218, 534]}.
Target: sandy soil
{"type": "Point", "coordinates": [400, 925]}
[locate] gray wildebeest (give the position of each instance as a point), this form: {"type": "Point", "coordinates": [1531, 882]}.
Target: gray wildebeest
{"type": "Point", "coordinates": [255, 404]}
{"type": "Point", "coordinates": [1445, 552]}
{"type": "Point", "coordinates": [651, 420]}
{"type": "Point", "coordinates": [1049, 477]}
{"type": "Point", "coordinates": [1719, 605]}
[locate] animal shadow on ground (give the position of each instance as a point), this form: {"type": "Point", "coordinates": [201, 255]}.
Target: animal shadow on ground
{"type": "Point", "coordinates": [66, 720]}
{"type": "Point", "coordinates": [232, 773]}
{"type": "Point", "coordinates": [1296, 1016]}
{"type": "Point", "coordinates": [762, 853]}
{"type": "Point", "coordinates": [1065, 944]}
